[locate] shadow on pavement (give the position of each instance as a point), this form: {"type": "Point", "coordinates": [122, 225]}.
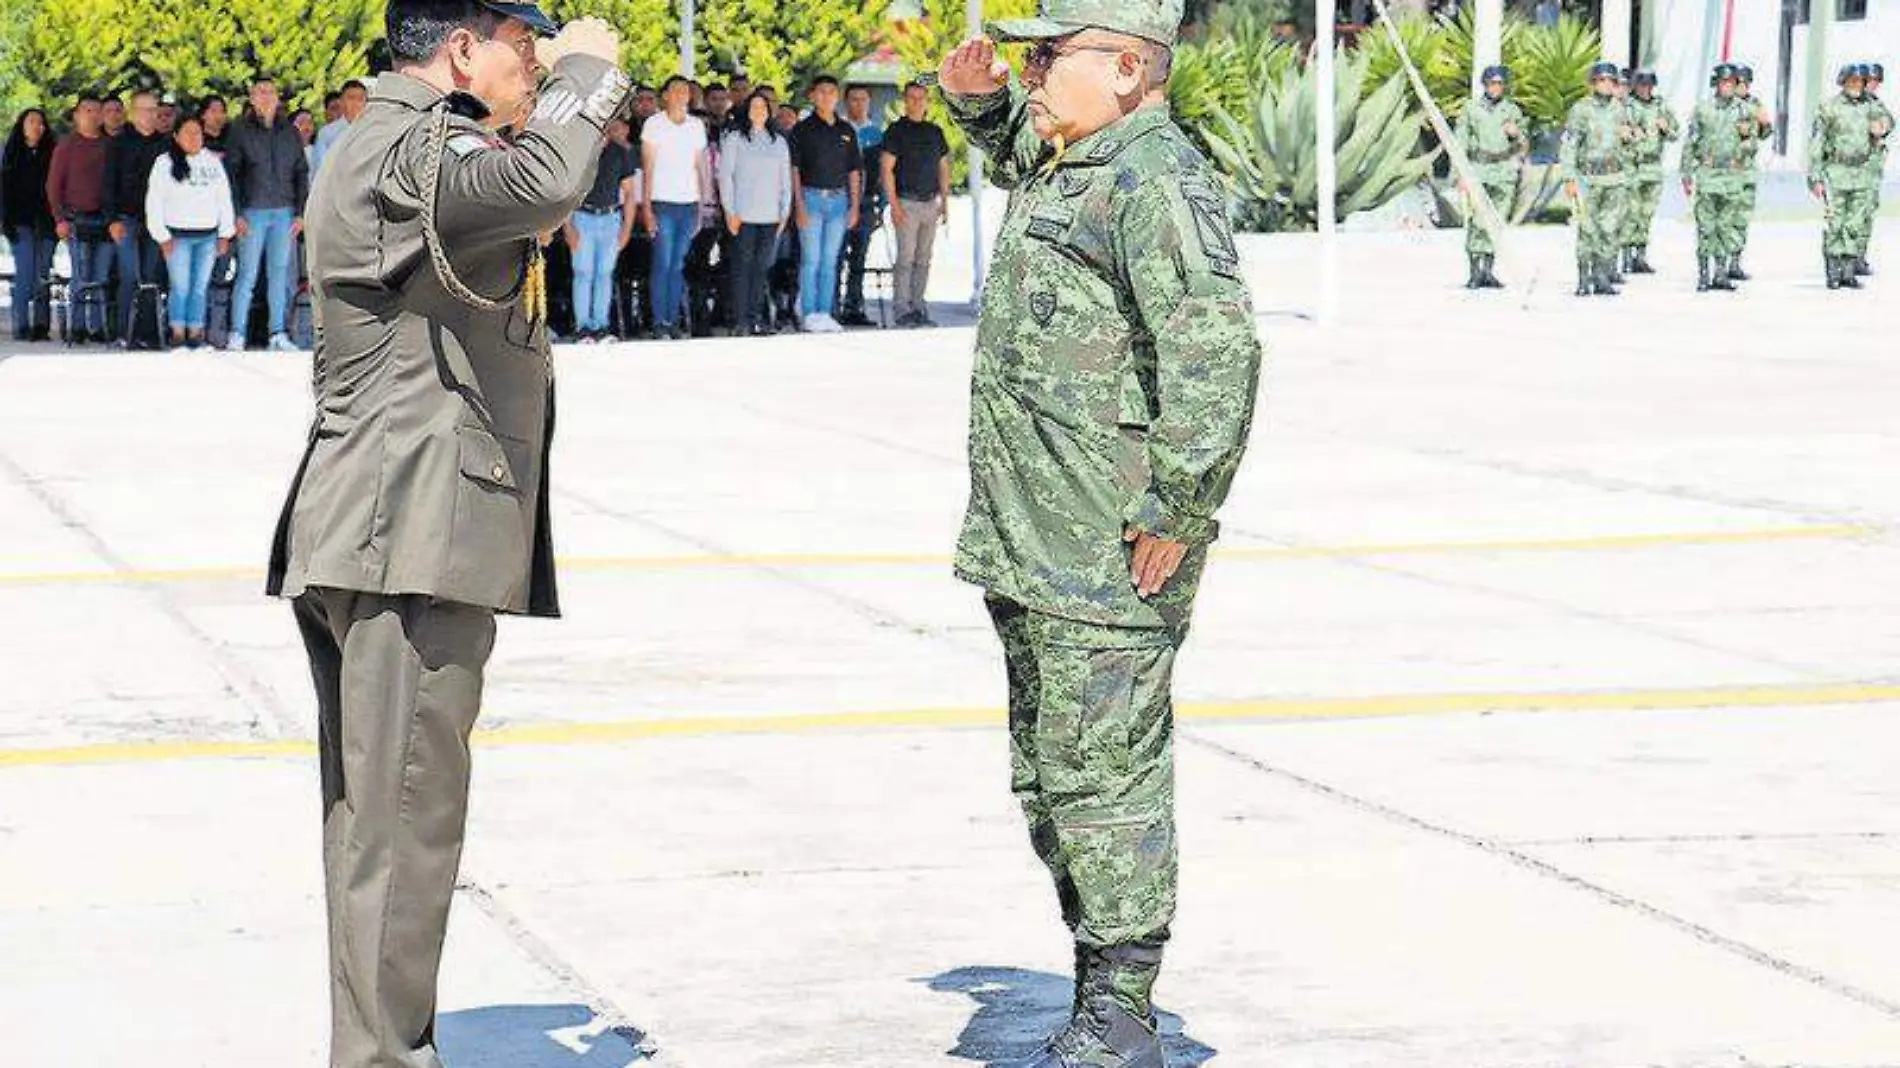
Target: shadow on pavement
{"type": "Point", "coordinates": [536, 1036]}
{"type": "Point", "coordinates": [1016, 1010]}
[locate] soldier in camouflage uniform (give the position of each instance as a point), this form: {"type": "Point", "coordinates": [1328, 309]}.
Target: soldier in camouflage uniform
{"type": "Point", "coordinates": [1492, 132]}
{"type": "Point", "coordinates": [1655, 124]}
{"type": "Point", "coordinates": [1848, 129]}
{"type": "Point", "coordinates": [1760, 128]}
{"type": "Point", "coordinates": [1595, 135]}
{"type": "Point", "coordinates": [1112, 396]}
{"type": "Point", "coordinates": [1714, 173]}
{"type": "Point", "coordinates": [1877, 163]}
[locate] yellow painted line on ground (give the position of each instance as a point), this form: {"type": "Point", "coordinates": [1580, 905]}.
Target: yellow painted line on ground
{"type": "Point", "coordinates": [1601, 543]}
{"type": "Point", "coordinates": [1273, 710]}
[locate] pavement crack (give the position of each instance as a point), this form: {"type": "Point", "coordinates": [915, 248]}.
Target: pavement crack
{"type": "Point", "coordinates": [1504, 851]}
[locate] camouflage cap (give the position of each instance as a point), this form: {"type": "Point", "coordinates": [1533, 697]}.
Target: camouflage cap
{"type": "Point", "coordinates": [1151, 20]}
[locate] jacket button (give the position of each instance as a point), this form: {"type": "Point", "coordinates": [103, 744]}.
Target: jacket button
{"type": "Point", "coordinates": [500, 472]}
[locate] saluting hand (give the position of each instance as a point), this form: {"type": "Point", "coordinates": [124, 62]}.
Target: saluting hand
{"type": "Point", "coordinates": [973, 69]}
{"type": "Point", "coordinates": [582, 37]}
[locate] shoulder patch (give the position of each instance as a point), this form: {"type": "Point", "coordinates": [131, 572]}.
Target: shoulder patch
{"type": "Point", "coordinates": [464, 144]}
{"type": "Point", "coordinates": [1210, 225]}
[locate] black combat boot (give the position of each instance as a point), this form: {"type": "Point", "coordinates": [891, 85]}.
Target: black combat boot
{"type": "Point", "coordinates": [1833, 272]}
{"type": "Point", "coordinates": [1701, 274]}
{"type": "Point", "coordinates": [1476, 278]}
{"type": "Point", "coordinates": [1848, 280]}
{"type": "Point", "coordinates": [1639, 261]}
{"type": "Point", "coordinates": [1586, 279]}
{"type": "Point", "coordinates": [1719, 274]}
{"type": "Point", "coordinates": [1490, 280]}
{"type": "Point", "coordinates": [1113, 1023]}
{"type": "Point", "coordinates": [1607, 279]}
{"type": "Point", "coordinates": [1613, 268]}
{"type": "Point", "coordinates": [1735, 272]}
{"type": "Point", "coordinates": [1862, 269]}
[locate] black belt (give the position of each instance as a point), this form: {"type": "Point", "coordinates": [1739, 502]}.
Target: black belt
{"type": "Point", "coordinates": [614, 210]}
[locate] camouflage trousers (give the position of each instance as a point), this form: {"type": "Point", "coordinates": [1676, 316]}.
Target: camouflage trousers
{"type": "Point", "coordinates": [1643, 196]}
{"type": "Point", "coordinates": [1091, 729]}
{"type": "Point", "coordinates": [1749, 195]}
{"type": "Point", "coordinates": [1600, 225]}
{"type": "Point", "coordinates": [1503, 193]}
{"type": "Point", "coordinates": [1850, 221]}
{"type": "Point", "coordinates": [1720, 217]}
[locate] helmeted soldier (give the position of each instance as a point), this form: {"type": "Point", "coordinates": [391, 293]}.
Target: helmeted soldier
{"type": "Point", "coordinates": [1593, 156]}
{"type": "Point", "coordinates": [1493, 132]}
{"type": "Point", "coordinates": [1759, 126]}
{"type": "Point", "coordinates": [1112, 395]}
{"type": "Point", "coordinates": [420, 509]}
{"type": "Point", "coordinates": [1848, 130]}
{"type": "Point", "coordinates": [1655, 126]}
{"type": "Point", "coordinates": [1714, 172]}
{"type": "Point", "coordinates": [1877, 163]}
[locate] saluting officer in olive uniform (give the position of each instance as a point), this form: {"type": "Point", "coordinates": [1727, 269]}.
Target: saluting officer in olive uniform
{"type": "Point", "coordinates": [1492, 131]}
{"type": "Point", "coordinates": [1111, 399]}
{"type": "Point", "coordinates": [421, 507]}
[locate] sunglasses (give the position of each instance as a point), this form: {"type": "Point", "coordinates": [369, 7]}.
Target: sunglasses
{"type": "Point", "coordinates": [1044, 55]}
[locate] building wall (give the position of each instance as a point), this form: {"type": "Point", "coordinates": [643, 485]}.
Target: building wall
{"type": "Point", "coordinates": [1683, 40]}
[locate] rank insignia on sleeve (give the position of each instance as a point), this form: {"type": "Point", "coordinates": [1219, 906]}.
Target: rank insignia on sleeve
{"type": "Point", "coordinates": [1210, 224]}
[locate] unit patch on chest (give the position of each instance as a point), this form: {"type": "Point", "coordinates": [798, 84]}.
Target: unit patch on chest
{"type": "Point", "coordinates": [1072, 182]}
{"type": "Point", "coordinates": [1042, 307]}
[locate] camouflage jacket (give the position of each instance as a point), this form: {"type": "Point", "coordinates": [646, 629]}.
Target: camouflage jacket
{"type": "Point", "coordinates": [1116, 365]}
{"type": "Point", "coordinates": [1495, 135]}
{"type": "Point", "coordinates": [1843, 143]}
{"type": "Point", "coordinates": [1878, 164]}
{"type": "Point", "coordinates": [1655, 125]}
{"type": "Point", "coordinates": [1758, 128]}
{"type": "Point", "coordinates": [1716, 155]}
{"type": "Point", "coordinates": [1595, 135]}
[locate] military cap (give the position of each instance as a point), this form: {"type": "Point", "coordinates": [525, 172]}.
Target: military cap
{"type": "Point", "coordinates": [1496, 73]}
{"type": "Point", "coordinates": [1644, 77]}
{"type": "Point", "coordinates": [1852, 70]}
{"type": "Point", "coordinates": [531, 14]}
{"type": "Point", "coordinates": [1604, 70]}
{"type": "Point", "coordinates": [1723, 71]}
{"type": "Point", "coordinates": [1151, 20]}
{"type": "Point", "coordinates": [1745, 73]}
{"type": "Point", "coordinates": [1877, 72]}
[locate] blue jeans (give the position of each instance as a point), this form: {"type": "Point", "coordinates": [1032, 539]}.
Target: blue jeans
{"type": "Point", "coordinates": [190, 268]}
{"type": "Point", "coordinates": [32, 263]}
{"type": "Point", "coordinates": [140, 264]}
{"type": "Point", "coordinates": [594, 267]}
{"type": "Point", "coordinates": [819, 244]}
{"type": "Point", "coordinates": [676, 224]}
{"type": "Point", "coordinates": [92, 268]}
{"type": "Point", "coordinates": [269, 235]}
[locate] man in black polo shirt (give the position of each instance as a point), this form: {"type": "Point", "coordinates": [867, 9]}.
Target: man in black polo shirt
{"type": "Point", "coordinates": [597, 232]}
{"type": "Point", "coordinates": [129, 162]}
{"type": "Point", "coordinates": [827, 183]}
{"type": "Point", "coordinates": [916, 180]}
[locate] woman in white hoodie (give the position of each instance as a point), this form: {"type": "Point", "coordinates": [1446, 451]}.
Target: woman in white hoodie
{"type": "Point", "coordinates": [188, 208]}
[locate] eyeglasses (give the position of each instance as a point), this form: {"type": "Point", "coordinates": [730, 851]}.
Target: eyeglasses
{"type": "Point", "coordinates": [1045, 54]}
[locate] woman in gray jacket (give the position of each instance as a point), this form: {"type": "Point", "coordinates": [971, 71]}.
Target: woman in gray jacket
{"type": "Point", "coordinates": [755, 186]}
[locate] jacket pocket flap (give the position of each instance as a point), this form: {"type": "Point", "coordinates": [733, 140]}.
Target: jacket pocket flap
{"type": "Point", "coordinates": [483, 458]}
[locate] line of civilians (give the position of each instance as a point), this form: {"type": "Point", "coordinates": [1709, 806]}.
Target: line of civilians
{"type": "Point", "coordinates": [716, 209]}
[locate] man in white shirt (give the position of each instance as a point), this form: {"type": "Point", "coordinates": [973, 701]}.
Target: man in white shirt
{"type": "Point", "coordinates": [673, 159]}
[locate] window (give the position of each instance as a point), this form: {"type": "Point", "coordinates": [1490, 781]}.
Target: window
{"type": "Point", "coordinates": [1844, 11]}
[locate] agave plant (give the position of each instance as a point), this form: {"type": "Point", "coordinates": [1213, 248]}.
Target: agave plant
{"type": "Point", "coordinates": [1270, 153]}
{"type": "Point", "coordinates": [1549, 65]}
{"type": "Point", "coordinates": [1428, 41]}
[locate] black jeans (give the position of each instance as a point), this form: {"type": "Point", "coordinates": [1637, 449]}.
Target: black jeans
{"type": "Point", "coordinates": [857, 245]}
{"type": "Point", "coordinates": [752, 254]}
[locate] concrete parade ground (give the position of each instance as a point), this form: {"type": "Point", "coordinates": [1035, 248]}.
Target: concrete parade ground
{"type": "Point", "coordinates": [1540, 711]}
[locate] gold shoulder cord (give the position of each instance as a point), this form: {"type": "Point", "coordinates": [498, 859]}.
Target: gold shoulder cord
{"type": "Point", "coordinates": [531, 291]}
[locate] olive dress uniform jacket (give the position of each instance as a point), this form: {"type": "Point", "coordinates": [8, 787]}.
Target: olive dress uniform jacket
{"type": "Point", "coordinates": [427, 467]}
